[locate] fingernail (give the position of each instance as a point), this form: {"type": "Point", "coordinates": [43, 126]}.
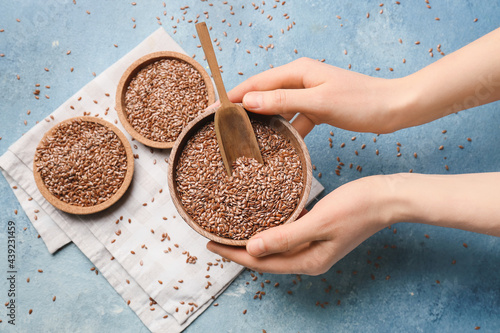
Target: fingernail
{"type": "Point", "coordinates": [253, 101]}
{"type": "Point", "coordinates": [255, 247]}
{"type": "Point", "coordinates": [216, 104]}
{"type": "Point", "coordinates": [210, 246]}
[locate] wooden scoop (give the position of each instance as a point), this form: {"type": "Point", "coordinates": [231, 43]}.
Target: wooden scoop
{"type": "Point", "coordinates": [234, 131]}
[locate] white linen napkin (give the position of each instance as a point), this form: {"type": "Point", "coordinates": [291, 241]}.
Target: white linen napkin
{"type": "Point", "coordinates": [140, 245]}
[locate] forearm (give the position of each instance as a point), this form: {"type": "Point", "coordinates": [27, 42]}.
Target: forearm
{"type": "Point", "coordinates": [468, 202]}
{"type": "Point", "coordinates": [461, 80]}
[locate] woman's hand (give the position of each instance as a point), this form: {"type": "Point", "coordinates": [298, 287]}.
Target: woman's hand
{"type": "Point", "coordinates": [312, 244]}
{"type": "Point", "coordinates": [355, 211]}
{"type": "Point", "coordinates": [322, 93]}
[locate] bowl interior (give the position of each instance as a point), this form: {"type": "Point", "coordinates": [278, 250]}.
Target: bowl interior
{"type": "Point", "coordinates": [80, 210]}
{"type": "Point", "coordinates": [132, 71]}
{"type": "Point", "coordinates": [279, 124]}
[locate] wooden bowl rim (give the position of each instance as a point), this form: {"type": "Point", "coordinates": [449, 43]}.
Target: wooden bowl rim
{"type": "Point", "coordinates": [132, 71]}
{"type": "Point", "coordinates": [196, 124]}
{"type": "Point", "coordinates": [79, 210]}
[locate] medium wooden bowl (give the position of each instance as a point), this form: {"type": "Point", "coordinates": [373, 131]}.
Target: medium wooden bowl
{"type": "Point", "coordinates": [279, 124]}
{"type": "Point", "coordinates": [132, 71]}
{"type": "Point", "coordinates": [79, 210]}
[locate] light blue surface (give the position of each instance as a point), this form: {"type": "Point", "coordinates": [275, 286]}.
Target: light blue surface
{"type": "Point", "coordinates": [468, 294]}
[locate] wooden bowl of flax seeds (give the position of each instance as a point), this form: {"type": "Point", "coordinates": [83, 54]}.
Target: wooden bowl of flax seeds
{"type": "Point", "coordinates": [230, 210]}
{"type": "Point", "coordinates": [83, 165]}
{"type": "Point", "coordinates": [159, 94]}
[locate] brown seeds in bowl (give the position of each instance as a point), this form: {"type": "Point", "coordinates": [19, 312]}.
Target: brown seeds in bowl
{"type": "Point", "coordinates": [255, 198]}
{"type": "Point", "coordinates": [81, 163]}
{"type": "Point", "coordinates": [163, 97]}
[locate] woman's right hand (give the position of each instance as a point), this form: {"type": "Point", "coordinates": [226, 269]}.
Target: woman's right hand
{"type": "Point", "coordinates": [321, 93]}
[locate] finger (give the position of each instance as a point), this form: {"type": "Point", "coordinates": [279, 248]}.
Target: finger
{"type": "Point", "coordinates": [286, 237]}
{"type": "Point", "coordinates": [303, 125]}
{"type": "Point", "coordinates": [297, 261]}
{"type": "Point", "coordinates": [289, 116]}
{"type": "Point", "coordinates": [280, 101]}
{"type": "Point", "coordinates": [214, 105]}
{"type": "Point", "coordinates": [289, 76]}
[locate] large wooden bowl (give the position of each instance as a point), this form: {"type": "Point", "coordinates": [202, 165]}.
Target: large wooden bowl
{"type": "Point", "coordinates": [132, 71]}
{"type": "Point", "coordinates": [279, 124]}
{"type": "Point", "coordinates": [80, 210]}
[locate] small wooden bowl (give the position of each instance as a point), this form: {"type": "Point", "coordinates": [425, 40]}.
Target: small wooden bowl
{"type": "Point", "coordinates": [80, 210]}
{"type": "Point", "coordinates": [132, 71]}
{"type": "Point", "coordinates": [277, 123]}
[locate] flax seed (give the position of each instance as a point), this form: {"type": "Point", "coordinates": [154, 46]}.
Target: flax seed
{"type": "Point", "coordinates": [234, 207]}
{"type": "Point", "coordinates": [94, 176]}
{"type": "Point", "coordinates": [169, 113]}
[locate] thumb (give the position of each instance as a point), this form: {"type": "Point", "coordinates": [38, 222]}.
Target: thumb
{"type": "Point", "coordinates": [280, 101]}
{"type": "Point", "coordinates": [284, 237]}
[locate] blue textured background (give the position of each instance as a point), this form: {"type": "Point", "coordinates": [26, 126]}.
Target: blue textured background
{"type": "Point", "coordinates": [468, 294]}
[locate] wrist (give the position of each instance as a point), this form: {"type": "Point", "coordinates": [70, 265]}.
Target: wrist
{"type": "Point", "coordinates": [380, 203]}
{"type": "Point", "coordinates": [402, 103]}
{"type": "Point", "coordinates": [393, 203]}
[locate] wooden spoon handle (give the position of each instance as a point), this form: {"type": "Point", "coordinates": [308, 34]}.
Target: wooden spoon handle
{"type": "Point", "coordinates": [206, 43]}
